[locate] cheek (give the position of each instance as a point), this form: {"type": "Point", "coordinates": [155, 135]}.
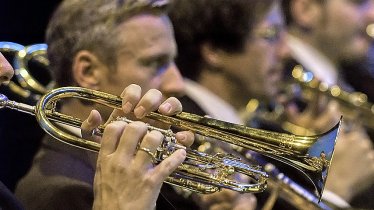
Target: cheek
{"type": "Point", "coordinates": [122, 78]}
{"type": "Point", "coordinates": [342, 20]}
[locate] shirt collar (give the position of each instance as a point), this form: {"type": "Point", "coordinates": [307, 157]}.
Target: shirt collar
{"type": "Point", "coordinates": [214, 106]}
{"type": "Point", "coordinates": [313, 60]}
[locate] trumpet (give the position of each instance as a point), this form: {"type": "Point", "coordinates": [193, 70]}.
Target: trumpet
{"type": "Point", "coordinates": [354, 105]}
{"type": "Point", "coordinates": [24, 84]}
{"type": "Point", "coordinates": [311, 155]}
{"type": "Point", "coordinates": [38, 54]}
{"type": "Point", "coordinates": [12, 49]}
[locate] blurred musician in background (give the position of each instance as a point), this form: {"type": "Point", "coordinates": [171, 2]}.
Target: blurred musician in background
{"type": "Point", "coordinates": [232, 63]}
{"type": "Point", "coordinates": [229, 52]}
{"type": "Point", "coordinates": [321, 35]}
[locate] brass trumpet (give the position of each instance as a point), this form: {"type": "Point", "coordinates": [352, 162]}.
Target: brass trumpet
{"type": "Point", "coordinates": [354, 105]}
{"type": "Point", "coordinates": [309, 154]}
{"type": "Point", "coordinates": [12, 49]}
{"type": "Point", "coordinates": [38, 54]}
{"type": "Point", "coordinates": [24, 84]}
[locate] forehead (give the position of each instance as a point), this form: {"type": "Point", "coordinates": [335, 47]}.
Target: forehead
{"type": "Point", "coordinates": [147, 33]}
{"type": "Point", "coordinates": [275, 16]}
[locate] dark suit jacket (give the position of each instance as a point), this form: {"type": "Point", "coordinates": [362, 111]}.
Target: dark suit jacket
{"type": "Point", "coordinates": [62, 177]}
{"type": "Point", "coordinates": [7, 199]}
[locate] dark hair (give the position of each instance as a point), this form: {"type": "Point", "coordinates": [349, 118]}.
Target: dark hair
{"type": "Point", "coordinates": [286, 9]}
{"type": "Point", "coordinates": [225, 24]}
{"type": "Point", "coordinates": [90, 25]}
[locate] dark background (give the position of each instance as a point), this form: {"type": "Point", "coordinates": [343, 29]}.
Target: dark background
{"type": "Point", "coordinates": [23, 22]}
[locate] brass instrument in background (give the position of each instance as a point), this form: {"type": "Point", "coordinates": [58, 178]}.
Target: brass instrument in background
{"type": "Point", "coordinates": [309, 154]}
{"type": "Point", "coordinates": [38, 54]}
{"type": "Point", "coordinates": [370, 30]}
{"type": "Point", "coordinates": [24, 84]}
{"type": "Point", "coordinates": [11, 49]}
{"type": "Point", "coordinates": [354, 105]}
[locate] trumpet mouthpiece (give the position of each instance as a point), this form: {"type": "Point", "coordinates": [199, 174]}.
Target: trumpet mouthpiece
{"type": "Point", "coordinates": [3, 100]}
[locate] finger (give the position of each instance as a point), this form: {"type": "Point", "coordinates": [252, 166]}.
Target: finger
{"type": "Point", "coordinates": [114, 115]}
{"type": "Point", "coordinates": [111, 136]}
{"type": "Point", "coordinates": [223, 196]}
{"type": "Point", "coordinates": [221, 206]}
{"type": "Point", "coordinates": [148, 103]}
{"type": "Point", "coordinates": [130, 139]}
{"type": "Point", "coordinates": [92, 122]}
{"type": "Point", "coordinates": [130, 97]}
{"type": "Point", "coordinates": [170, 164]}
{"type": "Point", "coordinates": [170, 106]}
{"type": "Point", "coordinates": [245, 202]}
{"type": "Point", "coordinates": [329, 117]}
{"type": "Point", "coordinates": [186, 138]}
{"type": "Point", "coordinates": [292, 110]}
{"type": "Point", "coordinates": [145, 156]}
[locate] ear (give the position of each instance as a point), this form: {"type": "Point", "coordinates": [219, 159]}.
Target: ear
{"type": "Point", "coordinates": [306, 13]}
{"type": "Point", "coordinates": [212, 56]}
{"type": "Point", "coordinates": [86, 71]}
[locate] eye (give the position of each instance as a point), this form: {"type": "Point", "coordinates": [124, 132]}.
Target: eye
{"type": "Point", "coordinates": [158, 66]}
{"type": "Point", "coordinates": [270, 34]}
{"type": "Point", "coordinates": [359, 2]}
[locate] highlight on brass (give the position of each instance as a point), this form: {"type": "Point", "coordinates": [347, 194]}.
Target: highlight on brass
{"type": "Point", "coordinates": [311, 155]}
{"type": "Point", "coordinates": [34, 53]}
{"type": "Point", "coordinates": [370, 30]}
{"type": "Point", "coordinates": [11, 49]}
{"type": "Point", "coordinates": [354, 105]}
{"type": "Point", "coordinates": [26, 61]}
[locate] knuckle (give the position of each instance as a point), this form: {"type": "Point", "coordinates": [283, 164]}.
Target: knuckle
{"type": "Point", "coordinates": [111, 127]}
{"type": "Point", "coordinates": [137, 125]}
{"type": "Point", "coordinates": [155, 136]}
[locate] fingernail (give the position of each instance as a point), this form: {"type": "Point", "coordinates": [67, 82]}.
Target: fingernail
{"type": "Point", "coordinates": [182, 152]}
{"type": "Point", "coordinates": [90, 118]}
{"type": "Point", "coordinates": [139, 112]}
{"type": "Point", "coordinates": [127, 107]}
{"type": "Point", "coordinates": [123, 93]}
{"type": "Point", "coordinates": [181, 137]}
{"type": "Point", "coordinates": [166, 107]}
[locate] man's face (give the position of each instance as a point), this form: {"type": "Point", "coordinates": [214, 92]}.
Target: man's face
{"type": "Point", "coordinates": [259, 67]}
{"type": "Point", "coordinates": [146, 57]}
{"type": "Point", "coordinates": [6, 70]}
{"type": "Point", "coordinates": [343, 26]}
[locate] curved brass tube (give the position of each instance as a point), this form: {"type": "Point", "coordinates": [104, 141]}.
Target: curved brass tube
{"type": "Point", "coordinates": [309, 154]}
{"type": "Point", "coordinates": [23, 84]}
{"type": "Point", "coordinates": [37, 53]}
{"type": "Point", "coordinates": [354, 105]}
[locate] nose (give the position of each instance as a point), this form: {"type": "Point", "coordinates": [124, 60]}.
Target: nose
{"type": "Point", "coordinates": [370, 12]}
{"type": "Point", "coordinates": [6, 70]}
{"type": "Point", "coordinates": [172, 83]}
{"type": "Point", "coordinates": [283, 51]}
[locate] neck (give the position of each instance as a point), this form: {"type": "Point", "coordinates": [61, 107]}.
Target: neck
{"type": "Point", "coordinates": [223, 87]}
{"type": "Point", "coordinates": [76, 109]}
{"type": "Point", "coordinates": [321, 45]}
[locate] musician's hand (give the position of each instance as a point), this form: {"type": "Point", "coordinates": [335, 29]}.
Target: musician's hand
{"type": "Point", "coordinates": [312, 119]}
{"type": "Point", "coordinates": [126, 178]}
{"type": "Point", "coordinates": [136, 107]}
{"type": "Point", "coordinates": [352, 168]}
{"type": "Point", "coordinates": [228, 199]}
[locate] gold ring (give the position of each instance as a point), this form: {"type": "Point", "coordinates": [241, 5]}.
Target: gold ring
{"type": "Point", "coordinates": [148, 151]}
